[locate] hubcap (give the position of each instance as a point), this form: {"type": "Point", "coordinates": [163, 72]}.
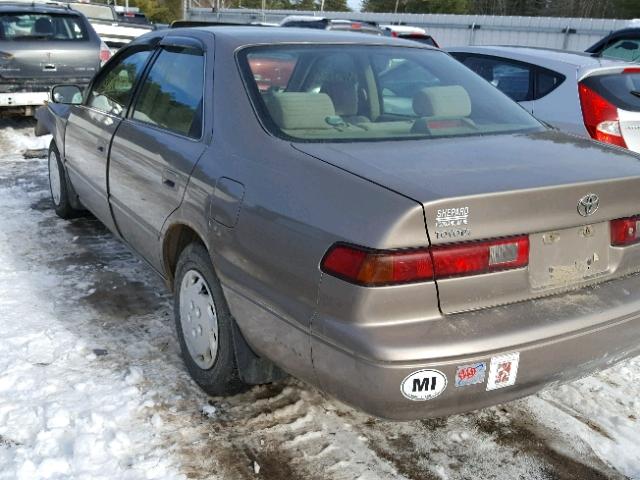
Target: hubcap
{"type": "Point", "coordinates": [54, 178]}
{"type": "Point", "coordinates": [199, 319]}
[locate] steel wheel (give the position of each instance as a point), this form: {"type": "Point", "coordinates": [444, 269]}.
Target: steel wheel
{"type": "Point", "coordinates": [54, 178]}
{"type": "Point", "coordinates": [199, 319]}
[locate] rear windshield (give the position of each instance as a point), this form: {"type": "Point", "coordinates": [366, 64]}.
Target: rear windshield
{"type": "Point", "coordinates": [41, 26]}
{"type": "Point", "coordinates": [355, 92]}
{"type": "Point", "coordinates": [137, 18]}
{"type": "Point", "coordinates": [416, 37]}
{"type": "Point", "coordinates": [97, 12]}
{"type": "Point", "coordinates": [621, 89]}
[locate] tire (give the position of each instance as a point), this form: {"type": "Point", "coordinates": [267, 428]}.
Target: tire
{"type": "Point", "coordinates": [58, 185]}
{"type": "Point", "coordinates": [204, 324]}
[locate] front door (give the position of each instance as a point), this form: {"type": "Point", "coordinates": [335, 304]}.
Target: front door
{"type": "Point", "coordinates": [91, 127]}
{"type": "Point", "coordinates": [157, 146]}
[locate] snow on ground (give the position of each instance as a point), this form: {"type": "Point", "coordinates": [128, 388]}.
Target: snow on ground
{"type": "Point", "coordinates": [92, 386]}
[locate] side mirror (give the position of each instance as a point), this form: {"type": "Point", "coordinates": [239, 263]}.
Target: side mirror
{"type": "Point", "coordinates": [67, 94]}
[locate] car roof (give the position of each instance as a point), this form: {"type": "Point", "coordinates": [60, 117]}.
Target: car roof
{"type": "Point", "coordinates": [545, 57]}
{"type": "Point", "coordinates": [36, 7]}
{"type": "Point", "coordinates": [236, 37]}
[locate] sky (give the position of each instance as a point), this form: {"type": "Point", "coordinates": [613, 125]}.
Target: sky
{"type": "Point", "coordinates": [354, 4]}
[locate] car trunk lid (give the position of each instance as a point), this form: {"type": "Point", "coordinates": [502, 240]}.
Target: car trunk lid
{"type": "Point", "coordinates": [495, 186]}
{"type": "Point", "coordinates": [55, 60]}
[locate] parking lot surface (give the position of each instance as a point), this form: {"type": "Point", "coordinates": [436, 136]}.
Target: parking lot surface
{"type": "Point", "coordinates": [92, 385]}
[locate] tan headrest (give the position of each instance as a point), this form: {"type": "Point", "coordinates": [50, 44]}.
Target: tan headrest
{"type": "Point", "coordinates": [344, 95]}
{"type": "Point", "coordinates": [447, 102]}
{"type": "Point", "coordinates": [300, 110]}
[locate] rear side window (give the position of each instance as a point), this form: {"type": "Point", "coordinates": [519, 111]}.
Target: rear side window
{"type": "Point", "coordinates": [621, 89]}
{"type": "Point", "coordinates": [42, 27]}
{"type": "Point", "coordinates": [624, 49]}
{"type": "Point", "coordinates": [546, 82]}
{"type": "Point", "coordinates": [520, 81]}
{"type": "Point", "coordinates": [513, 79]}
{"type": "Point", "coordinates": [172, 94]}
{"type": "Point", "coordinates": [112, 90]}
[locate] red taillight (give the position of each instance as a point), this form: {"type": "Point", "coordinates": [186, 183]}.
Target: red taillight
{"type": "Point", "coordinates": [624, 231]}
{"type": "Point", "coordinates": [374, 268]}
{"type": "Point", "coordinates": [480, 257]}
{"type": "Point", "coordinates": [600, 117]}
{"type": "Point", "coordinates": [105, 53]}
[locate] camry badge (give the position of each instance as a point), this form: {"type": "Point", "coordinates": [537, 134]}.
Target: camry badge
{"type": "Point", "coordinates": [588, 204]}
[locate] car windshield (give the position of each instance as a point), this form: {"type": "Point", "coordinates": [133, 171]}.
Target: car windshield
{"type": "Point", "coordinates": [41, 26]}
{"type": "Point", "coordinates": [356, 92]}
{"type": "Point", "coordinates": [624, 49]}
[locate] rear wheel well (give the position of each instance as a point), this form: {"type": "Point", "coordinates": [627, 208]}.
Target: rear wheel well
{"type": "Point", "coordinates": [176, 240]}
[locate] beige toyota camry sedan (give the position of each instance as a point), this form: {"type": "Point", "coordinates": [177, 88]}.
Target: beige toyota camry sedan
{"type": "Point", "coordinates": [362, 212]}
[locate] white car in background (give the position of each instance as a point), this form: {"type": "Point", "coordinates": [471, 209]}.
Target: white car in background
{"type": "Point", "coordinates": [575, 92]}
{"type": "Point", "coordinates": [408, 32]}
{"type": "Point", "coordinates": [104, 19]}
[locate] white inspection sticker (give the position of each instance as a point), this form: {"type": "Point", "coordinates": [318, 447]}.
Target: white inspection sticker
{"type": "Point", "coordinates": [503, 370]}
{"type": "Point", "coordinates": [423, 385]}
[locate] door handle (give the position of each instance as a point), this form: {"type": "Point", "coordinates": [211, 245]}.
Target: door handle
{"type": "Point", "coordinates": [101, 148]}
{"type": "Point", "coordinates": [169, 178]}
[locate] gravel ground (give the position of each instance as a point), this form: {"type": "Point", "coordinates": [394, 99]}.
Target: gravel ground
{"type": "Point", "coordinates": [92, 386]}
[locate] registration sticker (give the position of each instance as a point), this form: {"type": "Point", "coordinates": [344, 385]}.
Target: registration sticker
{"type": "Point", "coordinates": [503, 370]}
{"type": "Point", "coordinates": [470, 374]}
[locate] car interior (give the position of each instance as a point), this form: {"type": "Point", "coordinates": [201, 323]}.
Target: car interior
{"type": "Point", "coordinates": [345, 95]}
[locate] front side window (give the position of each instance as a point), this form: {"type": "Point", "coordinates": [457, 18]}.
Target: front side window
{"type": "Point", "coordinates": [355, 92]}
{"type": "Point", "coordinates": [42, 27]}
{"type": "Point", "coordinates": [171, 95]}
{"type": "Point", "coordinates": [113, 89]}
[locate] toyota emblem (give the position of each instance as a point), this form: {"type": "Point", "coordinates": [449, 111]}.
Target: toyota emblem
{"type": "Point", "coordinates": [588, 204]}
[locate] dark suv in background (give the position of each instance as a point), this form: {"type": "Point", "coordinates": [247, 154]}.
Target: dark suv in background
{"type": "Point", "coordinates": [40, 46]}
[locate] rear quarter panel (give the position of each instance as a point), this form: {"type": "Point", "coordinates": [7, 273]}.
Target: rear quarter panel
{"type": "Point", "coordinates": [293, 209]}
{"type": "Point", "coordinates": [52, 119]}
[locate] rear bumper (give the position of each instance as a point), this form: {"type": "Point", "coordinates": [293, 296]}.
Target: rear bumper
{"type": "Point", "coordinates": [23, 99]}
{"type": "Point", "coordinates": [585, 331]}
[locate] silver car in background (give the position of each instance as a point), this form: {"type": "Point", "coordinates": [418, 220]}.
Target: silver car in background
{"type": "Point", "coordinates": [42, 45]}
{"type": "Point", "coordinates": [574, 92]}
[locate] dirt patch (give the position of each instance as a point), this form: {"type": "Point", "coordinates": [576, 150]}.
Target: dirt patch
{"type": "Point", "coordinates": [42, 205]}
{"type": "Point", "coordinates": [520, 434]}
{"type": "Point", "coordinates": [116, 296]}
{"type": "Point", "coordinates": [401, 454]}
{"type": "Point", "coordinates": [7, 442]}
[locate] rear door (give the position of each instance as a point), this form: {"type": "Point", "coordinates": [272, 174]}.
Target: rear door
{"type": "Point", "coordinates": [91, 127]}
{"type": "Point", "coordinates": [157, 146]}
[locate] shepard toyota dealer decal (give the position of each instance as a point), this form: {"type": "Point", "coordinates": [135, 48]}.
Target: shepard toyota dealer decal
{"type": "Point", "coordinates": [452, 222]}
{"type": "Point", "coordinates": [423, 385]}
